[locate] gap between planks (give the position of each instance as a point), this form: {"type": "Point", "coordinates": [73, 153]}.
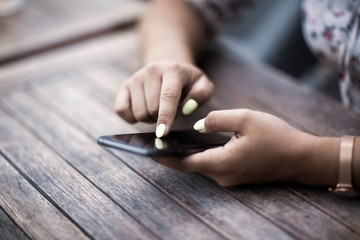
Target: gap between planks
{"type": "Point", "coordinates": [308, 200]}
{"type": "Point", "coordinates": [198, 226]}
{"type": "Point", "coordinates": [97, 199]}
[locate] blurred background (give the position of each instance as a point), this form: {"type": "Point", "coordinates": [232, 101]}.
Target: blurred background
{"type": "Point", "coordinates": [268, 32]}
{"type": "Point", "coordinates": [271, 32]}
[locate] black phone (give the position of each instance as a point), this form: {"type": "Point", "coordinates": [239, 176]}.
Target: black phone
{"type": "Point", "coordinates": [175, 143]}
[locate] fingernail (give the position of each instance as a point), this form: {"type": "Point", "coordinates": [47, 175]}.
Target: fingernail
{"type": "Point", "coordinates": [189, 106]}
{"type": "Point", "coordinates": [200, 125]}
{"type": "Point", "coordinates": [160, 130]}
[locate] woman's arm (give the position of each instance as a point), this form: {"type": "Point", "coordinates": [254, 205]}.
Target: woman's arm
{"type": "Point", "coordinates": [172, 33]}
{"type": "Point", "coordinates": [324, 159]}
{"type": "Point", "coordinates": [265, 148]}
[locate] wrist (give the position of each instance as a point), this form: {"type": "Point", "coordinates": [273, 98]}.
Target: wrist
{"type": "Point", "coordinates": [320, 160]}
{"type": "Point", "coordinates": [169, 53]}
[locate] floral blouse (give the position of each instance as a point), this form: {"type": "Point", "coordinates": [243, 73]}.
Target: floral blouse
{"type": "Point", "coordinates": [330, 27]}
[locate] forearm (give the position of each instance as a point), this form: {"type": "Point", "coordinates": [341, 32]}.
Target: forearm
{"type": "Point", "coordinates": [171, 31]}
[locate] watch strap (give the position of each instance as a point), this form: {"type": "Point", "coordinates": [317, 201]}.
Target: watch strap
{"type": "Point", "coordinates": [344, 188]}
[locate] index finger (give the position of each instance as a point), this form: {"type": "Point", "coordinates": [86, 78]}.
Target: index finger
{"type": "Point", "coordinates": [169, 100]}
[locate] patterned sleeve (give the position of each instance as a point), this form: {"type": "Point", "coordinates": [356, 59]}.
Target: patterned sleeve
{"type": "Point", "coordinates": [331, 29]}
{"type": "Point", "coordinates": [218, 12]}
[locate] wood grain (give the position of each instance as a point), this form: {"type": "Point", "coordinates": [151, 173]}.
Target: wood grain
{"type": "Point", "coordinates": [31, 211]}
{"type": "Point", "coordinates": [203, 198]}
{"type": "Point", "coordinates": [333, 206]}
{"type": "Point", "coordinates": [8, 229]}
{"type": "Point", "coordinates": [74, 101]}
{"type": "Point", "coordinates": [271, 91]}
{"type": "Point", "coordinates": [72, 193]}
{"type": "Point", "coordinates": [122, 46]}
{"type": "Point", "coordinates": [45, 24]}
{"type": "Point", "coordinates": [119, 183]}
{"type": "Point", "coordinates": [310, 213]}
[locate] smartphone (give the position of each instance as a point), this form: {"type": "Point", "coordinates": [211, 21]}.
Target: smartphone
{"type": "Point", "coordinates": [175, 143]}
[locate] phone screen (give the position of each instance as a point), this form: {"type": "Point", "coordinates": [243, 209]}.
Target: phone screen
{"type": "Point", "coordinates": [175, 143]}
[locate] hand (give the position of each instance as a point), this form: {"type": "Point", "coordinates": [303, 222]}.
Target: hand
{"type": "Point", "coordinates": [263, 148]}
{"type": "Point", "coordinates": [155, 92]}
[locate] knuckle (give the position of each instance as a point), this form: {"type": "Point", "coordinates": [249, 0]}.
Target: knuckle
{"type": "Point", "coordinates": [245, 115]}
{"type": "Point", "coordinates": [206, 91]}
{"type": "Point", "coordinates": [165, 115]}
{"type": "Point", "coordinates": [152, 68]}
{"type": "Point", "coordinates": [211, 88]}
{"type": "Point", "coordinates": [174, 67]}
{"type": "Point", "coordinates": [125, 86]}
{"type": "Point", "coordinates": [210, 120]}
{"type": "Point", "coordinates": [120, 109]}
{"type": "Point", "coordinates": [134, 80]}
{"type": "Point", "coordinates": [169, 95]}
{"type": "Point", "coordinates": [137, 77]}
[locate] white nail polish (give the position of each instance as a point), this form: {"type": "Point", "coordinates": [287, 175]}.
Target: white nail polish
{"type": "Point", "coordinates": [189, 106]}
{"type": "Point", "coordinates": [200, 125]}
{"type": "Point", "coordinates": [160, 130]}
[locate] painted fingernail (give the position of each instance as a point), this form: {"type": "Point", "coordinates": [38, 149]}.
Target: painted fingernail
{"type": "Point", "coordinates": [189, 106]}
{"type": "Point", "coordinates": [160, 130]}
{"type": "Point", "coordinates": [200, 125]}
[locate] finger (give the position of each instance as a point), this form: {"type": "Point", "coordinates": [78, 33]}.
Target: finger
{"type": "Point", "coordinates": [123, 104]}
{"type": "Point", "coordinates": [138, 103]}
{"type": "Point", "coordinates": [169, 100]}
{"type": "Point", "coordinates": [152, 87]}
{"type": "Point", "coordinates": [203, 162]}
{"type": "Point", "coordinates": [199, 93]}
{"type": "Point", "coordinates": [227, 120]}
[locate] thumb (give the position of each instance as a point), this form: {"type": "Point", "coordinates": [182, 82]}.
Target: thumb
{"type": "Point", "coordinates": [199, 93]}
{"type": "Point", "coordinates": [223, 121]}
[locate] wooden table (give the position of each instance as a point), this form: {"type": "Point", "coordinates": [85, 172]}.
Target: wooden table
{"type": "Point", "coordinates": [45, 24]}
{"type": "Point", "coordinates": [57, 183]}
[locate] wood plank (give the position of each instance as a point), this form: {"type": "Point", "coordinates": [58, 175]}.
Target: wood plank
{"type": "Point", "coordinates": [30, 210]}
{"type": "Point", "coordinates": [44, 24]}
{"type": "Point", "coordinates": [214, 208]}
{"type": "Point", "coordinates": [156, 211]}
{"type": "Point", "coordinates": [121, 46]}
{"type": "Point", "coordinates": [301, 106]}
{"type": "Point", "coordinates": [217, 101]}
{"type": "Point", "coordinates": [345, 210]}
{"type": "Point", "coordinates": [244, 92]}
{"type": "Point", "coordinates": [278, 206]}
{"type": "Point", "coordinates": [294, 102]}
{"type": "Point", "coordinates": [334, 207]}
{"type": "Point", "coordinates": [8, 229]}
{"type": "Point", "coordinates": [97, 215]}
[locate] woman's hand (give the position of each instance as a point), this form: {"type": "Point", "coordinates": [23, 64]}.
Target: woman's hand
{"type": "Point", "coordinates": [155, 92]}
{"type": "Point", "coordinates": [263, 149]}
